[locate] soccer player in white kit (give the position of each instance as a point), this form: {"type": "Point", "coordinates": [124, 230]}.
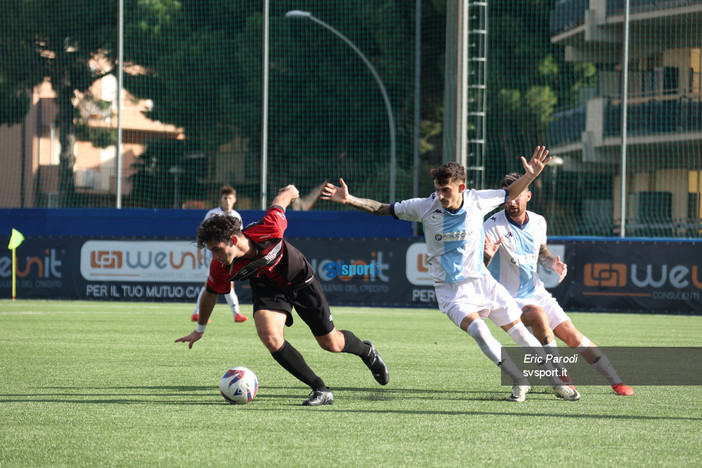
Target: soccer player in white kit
{"type": "Point", "coordinates": [226, 208]}
{"type": "Point", "coordinates": [515, 241]}
{"type": "Point", "coordinates": [453, 229]}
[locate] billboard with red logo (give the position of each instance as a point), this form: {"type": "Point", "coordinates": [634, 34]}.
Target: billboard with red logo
{"type": "Point", "coordinates": [604, 275]}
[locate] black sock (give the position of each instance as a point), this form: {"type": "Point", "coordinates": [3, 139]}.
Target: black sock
{"type": "Point", "coordinates": [354, 345]}
{"type": "Point", "coordinates": [293, 362]}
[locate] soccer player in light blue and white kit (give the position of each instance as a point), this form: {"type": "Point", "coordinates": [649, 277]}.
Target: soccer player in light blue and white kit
{"type": "Point", "coordinates": [515, 243]}
{"type": "Point", "coordinates": [453, 229]}
{"type": "Point", "coordinates": [227, 200]}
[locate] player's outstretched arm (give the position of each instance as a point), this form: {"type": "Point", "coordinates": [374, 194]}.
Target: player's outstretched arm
{"type": "Point", "coordinates": [286, 196]}
{"type": "Point", "coordinates": [207, 304]}
{"type": "Point", "coordinates": [547, 259]}
{"type": "Point", "coordinates": [532, 170]}
{"type": "Point", "coordinates": [341, 195]}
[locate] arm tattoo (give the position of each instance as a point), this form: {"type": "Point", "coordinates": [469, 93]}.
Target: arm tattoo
{"type": "Point", "coordinates": [546, 258]}
{"type": "Point", "coordinates": [369, 206]}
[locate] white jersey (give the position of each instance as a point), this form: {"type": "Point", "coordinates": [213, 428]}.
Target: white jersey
{"type": "Point", "coordinates": [455, 241]}
{"type": "Point", "coordinates": [514, 264]}
{"type": "Point", "coordinates": [220, 211]}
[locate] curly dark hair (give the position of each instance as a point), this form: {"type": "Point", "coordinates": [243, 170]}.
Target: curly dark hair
{"type": "Point", "coordinates": [509, 179]}
{"type": "Point", "coordinates": [449, 173]}
{"type": "Point", "coordinates": [218, 228]}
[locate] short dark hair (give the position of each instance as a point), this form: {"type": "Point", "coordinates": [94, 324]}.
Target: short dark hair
{"type": "Point", "coordinates": [449, 172]}
{"type": "Point", "coordinates": [218, 228]}
{"type": "Point", "coordinates": [509, 179]}
{"type": "Point", "coordinates": [227, 190]}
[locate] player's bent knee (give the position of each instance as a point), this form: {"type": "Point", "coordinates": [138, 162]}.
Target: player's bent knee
{"type": "Point", "coordinates": [272, 342]}
{"type": "Point", "coordinates": [532, 316]}
{"type": "Point", "coordinates": [333, 342]}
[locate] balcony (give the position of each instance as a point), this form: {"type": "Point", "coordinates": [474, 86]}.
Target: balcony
{"type": "Point", "coordinates": [599, 123]}
{"type": "Point", "coordinates": [568, 14]}
{"type": "Point", "coordinates": [584, 24]}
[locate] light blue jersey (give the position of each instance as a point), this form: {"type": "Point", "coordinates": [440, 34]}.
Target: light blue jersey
{"type": "Point", "coordinates": [514, 265]}
{"type": "Point", "coordinates": [454, 240]}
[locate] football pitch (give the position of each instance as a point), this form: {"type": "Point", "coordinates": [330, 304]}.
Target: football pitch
{"type": "Point", "coordinates": [104, 384]}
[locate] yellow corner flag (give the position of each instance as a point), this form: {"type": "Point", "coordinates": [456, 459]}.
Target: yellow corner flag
{"type": "Point", "coordinates": [15, 239]}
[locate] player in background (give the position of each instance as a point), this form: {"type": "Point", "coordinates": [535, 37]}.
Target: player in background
{"type": "Point", "coordinates": [227, 200]}
{"type": "Point", "coordinates": [453, 229]}
{"type": "Point", "coordinates": [281, 278]}
{"type": "Point", "coordinates": [515, 241]}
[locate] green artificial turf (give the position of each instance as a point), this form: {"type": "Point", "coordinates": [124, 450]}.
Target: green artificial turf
{"type": "Point", "coordinates": [104, 384]}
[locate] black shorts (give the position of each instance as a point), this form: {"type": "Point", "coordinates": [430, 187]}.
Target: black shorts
{"type": "Point", "coordinates": [310, 304]}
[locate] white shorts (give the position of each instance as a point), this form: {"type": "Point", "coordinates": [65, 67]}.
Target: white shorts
{"type": "Point", "coordinates": [483, 295]}
{"type": "Point", "coordinates": [543, 298]}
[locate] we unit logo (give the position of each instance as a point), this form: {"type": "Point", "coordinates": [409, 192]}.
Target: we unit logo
{"type": "Point", "coordinates": [667, 282]}
{"type": "Point", "coordinates": [605, 275]}
{"type": "Point", "coordinates": [147, 261]}
{"type": "Point", "coordinates": [106, 259]}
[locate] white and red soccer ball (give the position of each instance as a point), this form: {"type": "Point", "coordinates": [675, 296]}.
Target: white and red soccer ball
{"type": "Point", "coordinates": [238, 385]}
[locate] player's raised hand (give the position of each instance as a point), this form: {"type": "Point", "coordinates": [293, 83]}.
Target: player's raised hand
{"type": "Point", "coordinates": [537, 162]}
{"type": "Point", "coordinates": [291, 191]}
{"type": "Point", "coordinates": [191, 338]}
{"type": "Point", "coordinates": [560, 268]}
{"type": "Point", "coordinates": [336, 194]}
{"type": "Point", "coordinates": [491, 247]}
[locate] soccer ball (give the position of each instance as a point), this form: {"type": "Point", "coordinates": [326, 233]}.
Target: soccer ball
{"type": "Point", "coordinates": [239, 385]}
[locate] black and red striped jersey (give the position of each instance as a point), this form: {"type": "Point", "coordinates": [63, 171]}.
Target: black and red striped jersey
{"type": "Point", "coordinates": [277, 264]}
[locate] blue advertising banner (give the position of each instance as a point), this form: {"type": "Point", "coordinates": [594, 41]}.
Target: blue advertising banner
{"type": "Point", "coordinates": [630, 275]}
{"type": "Point", "coordinates": [606, 276]}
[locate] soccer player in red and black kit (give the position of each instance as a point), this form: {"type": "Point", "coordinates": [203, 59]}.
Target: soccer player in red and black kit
{"type": "Point", "coordinates": [281, 278]}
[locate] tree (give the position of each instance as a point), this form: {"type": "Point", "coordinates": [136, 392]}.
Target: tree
{"type": "Point", "coordinates": [201, 65]}
{"type": "Point", "coordinates": [58, 39]}
{"type": "Point", "coordinates": [528, 80]}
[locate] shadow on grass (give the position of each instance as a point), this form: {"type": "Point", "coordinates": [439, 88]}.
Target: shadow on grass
{"type": "Point", "coordinates": [291, 397]}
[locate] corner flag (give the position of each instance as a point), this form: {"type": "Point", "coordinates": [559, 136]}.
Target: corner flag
{"type": "Point", "coordinates": [15, 239]}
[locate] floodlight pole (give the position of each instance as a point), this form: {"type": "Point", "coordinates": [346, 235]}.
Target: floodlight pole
{"type": "Point", "coordinates": [297, 14]}
{"type": "Point", "coordinates": [625, 92]}
{"type": "Point", "coordinates": [264, 111]}
{"type": "Point", "coordinates": [120, 78]}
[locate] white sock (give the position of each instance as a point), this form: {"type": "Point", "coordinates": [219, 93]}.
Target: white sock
{"type": "Point", "coordinates": [199, 296]}
{"type": "Point", "coordinates": [492, 348]}
{"type": "Point", "coordinates": [232, 300]}
{"type": "Point", "coordinates": [523, 338]}
{"type": "Point", "coordinates": [604, 367]}
{"type": "Point", "coordinates": [602, 364]}
{"type": "Point", "coordinates": [552, 350]}
{"type": "Point", "coordinates": [584, 344]}
{"type": "Point", "coordinates": [487, 343]}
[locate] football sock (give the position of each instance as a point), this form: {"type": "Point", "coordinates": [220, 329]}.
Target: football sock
{"type": "Point", "coordinates": [604, 367]}
{"type": "Point", "coordinates": [199, 296]}
{"type": "Point", "coordinates": [508, 367]}
{"type": "Point", "coordinates": [523, 338]}
{"type": "Point", "coordinates": [232, 300]}
{"type": "Point", "coordinates": [487, 343]}
{"type": "Point", "coordinates": [551, 348]}
{"type": "Point", "coordinates": [353, 345]}
{"type": "Point", "coordinates": [293, 362]}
